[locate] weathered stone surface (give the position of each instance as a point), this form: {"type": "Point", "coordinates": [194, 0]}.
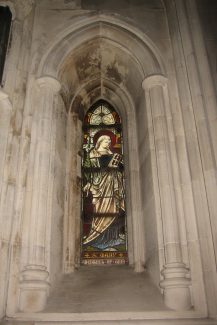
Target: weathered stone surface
{"type": "Point", "coordinates": [149, 60]}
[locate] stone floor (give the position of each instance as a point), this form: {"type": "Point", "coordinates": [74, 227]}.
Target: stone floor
{"type": "Point", "coordinates": [112, 295]}
{"type": "Point", "coordinates": [105, 289]}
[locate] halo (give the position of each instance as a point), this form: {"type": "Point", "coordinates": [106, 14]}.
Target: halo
{"type": "Point", "coordinates": [105, 132]}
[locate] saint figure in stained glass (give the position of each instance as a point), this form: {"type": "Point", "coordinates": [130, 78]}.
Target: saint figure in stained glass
{"type": "Point", "coordinates": [106, 187]}
{"type": "Point", "coordinates": [104, 222]}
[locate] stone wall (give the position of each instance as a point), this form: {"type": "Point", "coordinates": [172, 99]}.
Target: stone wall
{"type": "Point", "coordinates": [14, 140]}
{"type": "Point", "coordinates": [149, 61]}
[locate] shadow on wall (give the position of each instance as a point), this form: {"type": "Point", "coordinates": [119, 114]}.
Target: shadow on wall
{"type": "Point", "coordinates": [120, 4]}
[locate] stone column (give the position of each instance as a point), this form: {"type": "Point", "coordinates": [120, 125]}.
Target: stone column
{"type": "Point", "coordinates": [5, 117]}
{"type": "Point", "coordinates": [136, 207]}
{"type": "Point", "coordinates": [176, 282]}
{"type": "Point", "coordinates": [72, 217]}
{"type": "Point", "coordinates": [198, 103]}
{"type": "Point", "coordinates": [34, 277]}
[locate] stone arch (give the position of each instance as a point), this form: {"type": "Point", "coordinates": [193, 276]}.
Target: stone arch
{"type": "Point", "coordinates": [147, 62]}
{"type": "Point", "coordinates": [125, 107]}
{"type": "Point", "coordinates": [52, 58]}
{"type": "Point", "coordinates": [125, 93]}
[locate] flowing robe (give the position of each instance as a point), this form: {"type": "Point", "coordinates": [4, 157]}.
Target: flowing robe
{"type": "Point", "coordinates": [106, 187]}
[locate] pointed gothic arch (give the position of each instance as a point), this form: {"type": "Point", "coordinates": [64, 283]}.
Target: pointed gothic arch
{"type": "Point", "coordinates": [115, 88]}
{"type": "Point", "coordinates": [94, 77]}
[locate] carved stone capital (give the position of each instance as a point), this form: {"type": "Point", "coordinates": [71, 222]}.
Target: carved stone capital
{"type": "Point", "coordinates": [153, 81]}
{"type": "Point", "coordinates": [49, 82]}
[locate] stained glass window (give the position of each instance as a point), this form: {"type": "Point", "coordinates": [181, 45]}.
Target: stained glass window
{"type": "Point", "coordinates": [104, 234]}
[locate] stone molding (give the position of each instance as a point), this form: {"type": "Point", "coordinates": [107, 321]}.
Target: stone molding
{"type": "Point", "coordinates": [154, 80]}
{"type": "Point", "coordinates": [72, 208]}
{"type": "Point", "coordinates": [176, 285]}
{"type": "Point", "coordinates": [48, 59]}
{"type": "Point", "coordinates": [176, 280]}
{"type": "Point", "coordinates": [5, 119]}
{"type": "Point", "coordinates": [126, 106]}
{"type": "Point", "coordinates": [49, 82]}
{"type": "Point", "coordinates": [4, 99]}
{"type": "Point", "coordinates": [198, 106]}
{"type": "Point", "coordinates": [34, 284]}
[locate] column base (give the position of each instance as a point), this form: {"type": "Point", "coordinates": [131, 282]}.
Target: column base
{"type": "Point", "coordinates": [138, 267]}
{"type": "Point", "coordinates": [176, 286]}
{"type": "Point", "coordinates": [33, 288]}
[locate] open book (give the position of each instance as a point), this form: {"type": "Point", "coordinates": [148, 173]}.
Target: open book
{"type": "Point", "coordinates": [116, 160]}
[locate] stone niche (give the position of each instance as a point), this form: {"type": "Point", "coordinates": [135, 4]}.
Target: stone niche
{"type": "Point", "coordinates": [103, 67]}
{"type": "Point", "coordinates": [81, 56]}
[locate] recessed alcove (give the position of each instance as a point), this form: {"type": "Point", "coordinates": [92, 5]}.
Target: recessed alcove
{"type": "Point", "coordinates": [146, 62]}
{"type": "Point", "coordinates": [109, 64]}
{"type": "Point", "coordinates": [105, 67]}
{"type": "Point", "coordinates": [110, 60]}
{"type": "Point", "coordinates": [105, 289]}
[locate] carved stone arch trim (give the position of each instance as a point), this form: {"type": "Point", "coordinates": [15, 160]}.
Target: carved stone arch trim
{"type": "Point", "coordinates": [108, 84]}
{"type": "Point", "coordinates": [114, 43]}
{"type": "Point", "coordinates": [154, 80]}
{"type": "Point", "coordinates": [122, 101]}
{"type": "Point", "coordinates": [50, 63]}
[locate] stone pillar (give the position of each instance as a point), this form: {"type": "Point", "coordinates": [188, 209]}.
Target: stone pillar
{"type": "Point", "coordinates": [34, 277]}
{"type": "Point", "coordinates": [138, 217]}
{"type": "Point", "coordinates": [198, 103]}
{"type": "Point", "coordinates": [176, 282]}
{"type": "Point", "coordinates": [5, 117]}
{"type": "Point", "coordinates": [72, 217]}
